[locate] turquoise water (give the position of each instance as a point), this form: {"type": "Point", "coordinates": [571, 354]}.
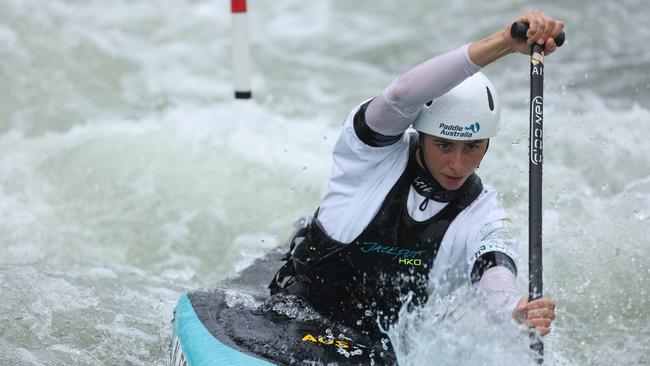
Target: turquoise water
{"type": "Point", "coordinates": [128, 174]}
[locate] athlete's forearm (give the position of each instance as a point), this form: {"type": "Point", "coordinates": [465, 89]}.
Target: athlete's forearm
{"type": "Point", "coordinates": [499, 287]}
{"type": "Point", "coordinates": [490, 49]}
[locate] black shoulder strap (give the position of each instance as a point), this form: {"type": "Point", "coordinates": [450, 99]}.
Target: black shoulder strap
{"type": "Point", "coordinates": [473, 190]}
{"type": "Point", "coordinates": [438, 228]}
{"type": "Point", "coordinates": [469, 195]}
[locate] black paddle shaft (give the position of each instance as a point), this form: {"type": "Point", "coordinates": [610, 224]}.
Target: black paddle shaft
{"type": "Point", "coordinates": [536, 146]}
{"type": "Point", "coordinates": [536, 159]}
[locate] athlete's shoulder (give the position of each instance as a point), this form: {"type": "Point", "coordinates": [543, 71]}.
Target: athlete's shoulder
{"type": "Point", "coordinates": [487, 206]}
{"type": "Point", "coordinates": [488, 194]}
{"type": "Point", "coordinates": [350, 143]}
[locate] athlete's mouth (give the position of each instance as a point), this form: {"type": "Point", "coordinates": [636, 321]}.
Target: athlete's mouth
{"type": "Point", "coordinates": [453, 178]}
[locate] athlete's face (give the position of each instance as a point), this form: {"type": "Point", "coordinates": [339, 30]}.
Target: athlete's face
{"type": "Point", "coordinates": [452, 162]}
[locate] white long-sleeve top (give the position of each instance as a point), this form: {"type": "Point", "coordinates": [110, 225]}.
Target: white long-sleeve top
{"type": "Point", "coordinates": [362, 176]}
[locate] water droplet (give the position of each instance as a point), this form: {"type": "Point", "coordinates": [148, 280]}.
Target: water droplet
{"type": "Point", "coordinates": [554, 202]}
{"type": "Point", "coordinates": [324, 137]}
{"type": "Point", "coordinates": [304, 167]}
{"type": "Point", "coordinates": [368, 313]}
{"type": "Point", "coordinates": [640, 215]}
{"type": "Point", "coordinates": [359, 322]}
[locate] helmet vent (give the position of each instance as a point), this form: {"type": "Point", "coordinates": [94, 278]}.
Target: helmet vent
{"type": "Point", "coordinates": [490, 100]}
{"type": "Point", "coordinates": [428, 104]}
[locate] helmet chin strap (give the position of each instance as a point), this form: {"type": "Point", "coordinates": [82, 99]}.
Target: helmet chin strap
{"type": "Point", "coordinates": [426, 185]}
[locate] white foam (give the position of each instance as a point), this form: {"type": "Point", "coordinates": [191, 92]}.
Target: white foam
{"type": "Point", "coordinates": [128, 174]}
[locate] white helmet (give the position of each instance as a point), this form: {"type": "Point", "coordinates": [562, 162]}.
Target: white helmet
{"type": "Point", "coordinates": [470, 111]}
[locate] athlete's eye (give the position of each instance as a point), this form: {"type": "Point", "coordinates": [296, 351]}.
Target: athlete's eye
{"type": "Point", "coordinates": [443, 146]}
{"type": "Point", "coordinates": [473, 146]}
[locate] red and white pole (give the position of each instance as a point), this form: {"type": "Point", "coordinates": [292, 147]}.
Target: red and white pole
{"type": "Point", "coordinates": [240, 48]}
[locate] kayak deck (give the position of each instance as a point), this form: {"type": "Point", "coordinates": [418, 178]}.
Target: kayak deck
{"type": "Point", "coordinates": [238, 323]}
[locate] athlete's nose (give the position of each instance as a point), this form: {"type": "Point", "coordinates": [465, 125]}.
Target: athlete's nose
{"type": "Point", "coordinates": [456, 163]}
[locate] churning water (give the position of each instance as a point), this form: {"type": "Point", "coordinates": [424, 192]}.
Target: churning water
{"type": "Point", "coordinates": [128, 174]}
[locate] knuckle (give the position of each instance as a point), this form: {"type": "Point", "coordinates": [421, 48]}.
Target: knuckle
{"type": "Point", "coordinates": [545, 331]}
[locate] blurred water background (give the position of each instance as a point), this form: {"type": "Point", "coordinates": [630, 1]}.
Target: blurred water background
{"type": "Point", "coordinates": [128, 174]}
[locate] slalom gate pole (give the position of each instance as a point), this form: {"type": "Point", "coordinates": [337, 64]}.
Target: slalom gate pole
{"type": "Point", "coordinates": [241, 50]}
{"type": "Point", "coordinates": [536, 147]}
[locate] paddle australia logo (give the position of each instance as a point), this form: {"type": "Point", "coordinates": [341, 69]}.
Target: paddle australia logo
{"type": "Point", "coordinates": [453, 130]}
{"type": "Point", "coordinates": [402, 255]}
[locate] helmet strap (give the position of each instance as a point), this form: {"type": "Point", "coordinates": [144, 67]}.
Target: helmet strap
{"type": "Point", "coordinates": [426, 185]}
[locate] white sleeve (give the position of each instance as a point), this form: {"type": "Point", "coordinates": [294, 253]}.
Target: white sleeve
{"type": "Point", "coordinates": [360, 179]}
{"type": "Point", "coordinates": [500, 295]}
{"type": "Point", "coordinates": [396, 108]}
